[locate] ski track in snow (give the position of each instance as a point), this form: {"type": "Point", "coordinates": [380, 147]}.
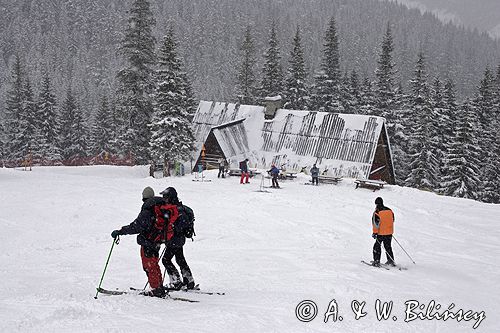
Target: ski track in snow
{"type": "Point", "coordinates": [266, 251]}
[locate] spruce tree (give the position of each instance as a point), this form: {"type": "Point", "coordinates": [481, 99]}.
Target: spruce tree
{"type": "Point", "coordinates": [49, 125]}
{"type": "Point", "coordinates": [327, 86]}
{"type": "Point", "coordinates": [451, 110]}
{"type": "Point", "coordinates": [272, 72]}
{"type": "Point", "coordinates": [296, 94]}
{"type": "Point", "coordinates": [103, 129]}
{"type": "Point", "coordinates": [424, 164]}
{"type": "Point", "coordinates": [136, 83]}
{"type": "Point", "coordinates": [246, 81]}
{"type": "Point", "coordinates": [488, 125]}
{"type": "Point", "coordinates": [367, 97]}
{"type": "Point", "coordinates": [14, 150]}
{"type": "Point", "coordinates": [355, 92]}
{"type": "Point", "coordinates": [172, 138]}
{"type": "Point", "coordinates": [398, 133]}
{"type": "Point", "coordinates": [441, 120]}
{"type": "Point", "coordinates": [73, 136]}
{"type": "Point", "coordinates": [30, 124]}
{"type": "Point", "coordinates": [348, 101]}
{"type": "Point", "coordinates": [461, 171]}
{"type": "Point", "coordinates": [385, 77]}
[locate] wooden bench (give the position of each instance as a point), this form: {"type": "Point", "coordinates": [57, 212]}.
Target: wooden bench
{"type": "Point", "coordinates": [370, 184]}
{"type": "Point", "coordinates": [287, 175]}
{"type": "Point", "coordinates": [328, 179]}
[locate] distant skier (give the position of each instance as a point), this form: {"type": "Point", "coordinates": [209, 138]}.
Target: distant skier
{"type": "Point", "coordinates": [183, 227]}
{"type": "Point", "coordinates": [143, 225]}
{"type": "Point", "coordinates": [222, 166]}
{"type": "Point", "coordinates": [383, 228]}
{"type": "Point", "coordinates": [314, 174]}
{"type": "Point", "coordinates": [274, 172]}
{"type": "Point", "coordinates": [244, 171]}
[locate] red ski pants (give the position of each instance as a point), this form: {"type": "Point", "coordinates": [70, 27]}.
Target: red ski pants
{"type": "Point", "coordinates": [150, 265]}
{"type": "Point", "coordinates": [243, 174]}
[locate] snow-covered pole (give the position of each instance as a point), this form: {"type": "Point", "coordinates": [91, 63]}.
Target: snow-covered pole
{"type": "Point", "coordinates": [404, 250]}
{"type": "Point", "coordinates": [115, 240]}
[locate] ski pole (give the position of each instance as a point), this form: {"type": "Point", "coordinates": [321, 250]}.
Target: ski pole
{"type": "Point", "coordinates": [159, 259]}
{"type": "Point", "coordinates": [116, 240]}
{"type": "Point", "coordinates": [404, 250]}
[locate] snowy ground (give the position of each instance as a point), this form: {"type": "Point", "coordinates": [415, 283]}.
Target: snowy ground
{"type": "Point", "coordinates": [267, 251]}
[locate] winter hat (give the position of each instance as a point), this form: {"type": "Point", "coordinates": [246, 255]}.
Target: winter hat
{"type": "Point", "coordinates": [170, 193]}
{"type": "Point", "coordinates": [379, 201]}
{"type": "Point", "coordinates": [148, 193]}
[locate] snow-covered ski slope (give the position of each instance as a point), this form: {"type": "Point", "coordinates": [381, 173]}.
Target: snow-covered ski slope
{"type": "Point", "coordinates": [267, 251]}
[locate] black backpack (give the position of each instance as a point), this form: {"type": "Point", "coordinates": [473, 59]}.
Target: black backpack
{"type": "Point", "coordinates": [185, 221]}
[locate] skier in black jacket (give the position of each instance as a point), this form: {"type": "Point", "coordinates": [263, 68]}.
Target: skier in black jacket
{"type": "Point", "coordinates": [143, 225]}
{"type": "Point", "coordinates": [174, 246]}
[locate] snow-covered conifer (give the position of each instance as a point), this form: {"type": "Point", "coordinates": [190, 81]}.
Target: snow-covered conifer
{"type": "Point", "coordinates": [461, 172]}
{"type": "Point", "coordinates": [296, 94]}
{"type": "Point", "coordinates": [327, 82]}
{"type": "Point", "coordinates": [136, 82]}
{"type": "Point", "coordinates": [272, 72]}
{"type": "Point", "coordinates": [172, 138]}
{"type": "Point", "coordinates": [246, 81]}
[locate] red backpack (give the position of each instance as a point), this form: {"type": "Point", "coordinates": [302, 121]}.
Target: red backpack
{"type": "Point", "coordinates": [166, 215]}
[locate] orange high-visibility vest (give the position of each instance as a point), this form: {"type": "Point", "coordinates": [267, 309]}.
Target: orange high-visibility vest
{"type": "Point", "coordinates": [386, 222]}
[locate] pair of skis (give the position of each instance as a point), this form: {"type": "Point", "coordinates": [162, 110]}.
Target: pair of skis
{"type": "Point", "coordinates": [384, 266]}
{"type": "Point", "coordinates": [135, 291]}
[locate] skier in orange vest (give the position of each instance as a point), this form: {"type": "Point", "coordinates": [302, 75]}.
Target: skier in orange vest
{"type": "Point", "coordinates": [383, 228]}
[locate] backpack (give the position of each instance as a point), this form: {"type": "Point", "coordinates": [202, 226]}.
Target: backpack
{"type": "Point", "coordinates": [163, 227]}
{"type": "Point", "coordinates": [185, 222]}
{"type": "Point", "coordinates": [243, 165]}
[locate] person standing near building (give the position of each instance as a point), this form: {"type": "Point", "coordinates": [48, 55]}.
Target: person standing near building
{"type": "Point", "coordinates": [244, 171]}
{"type": "Point", "coordinates": [222, 166]}
{"type": "Point", "coordinates": [274, 172]}
{"type": "Point", "coordinates": [314, 174]}
{"type": "Point", "coordinates": [383, 228]}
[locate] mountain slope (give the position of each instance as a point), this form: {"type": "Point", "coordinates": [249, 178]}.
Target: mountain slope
{"type": "Point", "coordinates": [483, 15]}
{"type": "Point", "coordinates": [267, 251]}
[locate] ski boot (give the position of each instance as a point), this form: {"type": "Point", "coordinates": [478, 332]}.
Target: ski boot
{"type": "Point", "coordinates": [376, 263]}
{"type": "Point", "coordinates": [157, 292]}
{"type": "Point", "coordinates": [189, 284]}
{"type": "Point", "coordinates": [390, 263]}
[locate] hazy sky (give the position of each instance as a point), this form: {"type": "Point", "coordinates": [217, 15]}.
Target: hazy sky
{"type": "Point", "coordinates": [481, 14]}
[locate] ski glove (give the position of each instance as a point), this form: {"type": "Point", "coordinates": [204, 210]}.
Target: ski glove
{"type": "Point", "coordinates": [374, 236]}
{"type": "Point", "coordinates": [115, 233]}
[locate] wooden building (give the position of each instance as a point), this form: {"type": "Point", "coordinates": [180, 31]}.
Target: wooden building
{"type": "Point", "coordinates": [342, 145]}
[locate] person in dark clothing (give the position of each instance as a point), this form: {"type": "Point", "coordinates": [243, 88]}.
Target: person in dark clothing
{"type": "Point", "coordinates": [144, 227]}
{"type": "Point", "coordinates": [244, 171]}
{"type": "Point", "coordinates": [222, 167]}
{"type": "Point", "coordinates": [383, 228]}
{"type": "Point", "coordinates": [314, 174]}
{"type": "Point", "coordinates": [174, 246]}
{"type": "Point", "coordinates": [274, 174]}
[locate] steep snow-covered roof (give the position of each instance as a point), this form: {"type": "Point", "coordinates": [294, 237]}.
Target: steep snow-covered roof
{"type": "Point", "coordinates": [344, 144]}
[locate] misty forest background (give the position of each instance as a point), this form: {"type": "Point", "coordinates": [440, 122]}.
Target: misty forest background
{"type": "Point", "coordinates": [95, 81]}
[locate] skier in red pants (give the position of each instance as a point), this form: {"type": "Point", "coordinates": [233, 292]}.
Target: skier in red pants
{"type": "Point", "coordinates": [143, 225]}
{"type": "Point", "coordinates": [244, 171]}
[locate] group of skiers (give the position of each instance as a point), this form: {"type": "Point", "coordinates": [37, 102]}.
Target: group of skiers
{"type": "Point", "coordinates": [162, 220]}
{"type": "Point", "coordinates": [165, 220]}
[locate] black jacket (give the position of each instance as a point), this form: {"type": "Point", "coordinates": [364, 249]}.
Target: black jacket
{"type": "Point", "coordinates": [144, 222]}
